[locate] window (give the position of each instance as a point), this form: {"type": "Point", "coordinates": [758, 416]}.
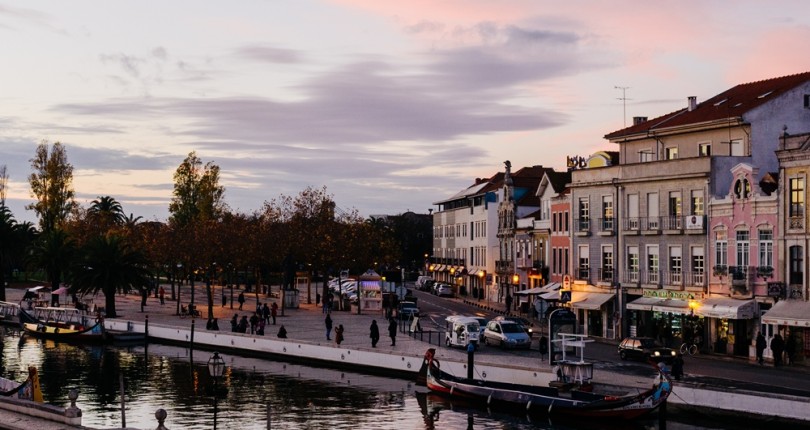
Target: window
{"type": "Point", "coordinates": [697, 202]}
{"type": "Point", "coordinates": [671, 153]}
{"type": "Point", "coordinates": [632, 263]}
{"type": "Point", "coordinates": [675, 210]}
{"type": "Point", "coordinates": [742, 188]}
{"type": "Point", "coordinates": [736, 147]}
{"type": "Point", "coordinates": [796, 208]}
{"type": "Point", "coordinates": [796, 265]}
{"type": "Point", "coordinates": [766, 248]}
{"type": "Point", "coordinates": [704, 150]}
{"type": "Point", "coordinates": [743, 248]}
{"type": "Point", "coordinates": [584, 263]}
{"type": "Point", "coordinates": [607, 213]}
{"type": "Point", "coordinates": [632, 212]}
{"type": "Point", "coordinates": [652, 264]}
{"type": "Point", "coordinates": [645, 156]}
{"type": "Point", "coordinates": [584, 213]}
{"type": "Point", "coordinates": [607, 263]}
{"type": "Point", "coordinates": [565, 219]}
{"type": "Point", "coordinates": [472, 230]}
{"type": "Point", "coordinates": [807, 101]}
{"type": "Point", "coordinates": [652, 211]}
{"type": "Point", "coordinates": [721, 248]}
{"type": "Point", "coordinates": [698, 265]}
{"type": "Point", "coordinates": [675, 265]}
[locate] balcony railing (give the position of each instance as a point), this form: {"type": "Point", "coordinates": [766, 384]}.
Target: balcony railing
{"type": "Point", "coordinates": [606, 224]}
{"type": "Point", "coordinates": [673, 278]}
{"type": "Point", "coordinates": [652, 277]}
{"type": "Point", "coordinates": [523, 263]}
{"type": "Point", "coordinates": [504, 266]}
{"type": "Point", "coordinates": [583, 224]}
{"type": "Point", "coordinates": [583, 273]}
{"type": "Point", "coordinates": [632, 224]}
{"type": "Point", "coordinates": [651, 223]}
{"type": "Point", "coordinates": [796, 223]}
{"type": "Point", "coordinates": [605, 274]}
{"type": "Point", "coordinates": [673, 222]}
{"type": "Point", "coordinates": [631, 276]}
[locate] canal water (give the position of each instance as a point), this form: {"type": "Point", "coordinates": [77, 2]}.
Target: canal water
{"type": "Point", "coordinates": [293, 396]}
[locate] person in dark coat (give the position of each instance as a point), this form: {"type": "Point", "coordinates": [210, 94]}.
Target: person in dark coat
{"type": "Point", "coordinates": [266, 313]}
{"type": "Point", "coordinates": [761, 345]}
{"type": "Point", "coordinates": [224, 299]}
{"type": "Point", "coordinates": [677, 367]}
{"type": "Point", "coordinates": [273, 311]}
{"type": "Point", "coordinates": [339, 334]}
{"type": "Point", "coordinates": [282, 332]}
{"type": "Point", "coordinates": [790, 348]}
{"type": "Point", "coordinates": [374, 333]}
{"type": "Point", "coordinates": [243, 325]}
{"type": "Point", "coordinates": [215, 324]}
{"type": "Point", "coordinates": [241, 300]}
{"type": "Point", "coordinates": [543, 344]}
{"type": "Point", "coordinates": [234, 323]}
{"type": "Point", "coordinates": [778, 347]}
{"type": "Point", "coordinates": [392, 331]}
{"type": "Point", "coordinates": [254, 323]}
{"type": "Point", "coordinates": [328, 323]}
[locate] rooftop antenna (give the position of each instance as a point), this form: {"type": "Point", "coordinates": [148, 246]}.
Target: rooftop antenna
{"type": "Point", "coordinates": [624, 100]}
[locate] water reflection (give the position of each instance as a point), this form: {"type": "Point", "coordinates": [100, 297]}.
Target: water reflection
{"type": "Point", "coordinates": [294, 396]}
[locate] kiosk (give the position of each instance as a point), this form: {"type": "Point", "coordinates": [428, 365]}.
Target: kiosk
{"type": "Point", "coordinates": [369, 292]}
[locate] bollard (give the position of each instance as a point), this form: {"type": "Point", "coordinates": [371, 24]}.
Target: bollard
{"type": "Point", "coordinates": [73, 411]}
{"type": "Point", "coordinates": [470, 359]}
{"type": "Point", "coordinates": [191, 340]}
{"type": "Point", "coordinates": [160, 414]}
{"type": "Point", "coordinates": [146, 329]}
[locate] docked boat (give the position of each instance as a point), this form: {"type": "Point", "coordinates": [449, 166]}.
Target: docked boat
{"type": "Point", "coordinates": [547, 401]}
{"type": "Point", "coordinates": [27, 390]}
{"type": "Point", "coordinates": [62, 324]}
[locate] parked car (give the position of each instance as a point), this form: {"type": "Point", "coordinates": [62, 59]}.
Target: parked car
{"type": "Point", "coordinates": [421, 281]}
{"type": "Point", "coordinates": [461, 330]}
{"type": "Point", "coordinates": [527, 325]}
{"type": "Point", "coordinates": [444, 290]}
{"type": "Point", "coordinates": [506, 334]}
{"type": "Point", "coordinates": [645, 349]}
{"type": "Point", "coordinates": [407, 310]}
{"type": "Point", "coordinates": [428, 285]}
{"type": "Point", "coordinates": [482, 323]}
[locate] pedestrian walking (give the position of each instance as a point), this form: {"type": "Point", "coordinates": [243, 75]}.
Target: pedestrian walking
{"type": "Point", "coordinates": [543, 344]}
{"type": "Point", "coordinates": [778, 347]}
{"type": "Point", "coordinates": [234, 323]}
{"type": "Point", "coordinates": [790, 348]}
{"type": "Point", "coordinates": [317, 298]}
{"type": "Point", "coordinates": [215, 324]}
{"type": "Point", "coordinates": [273, 311]}
{"type": "Point", "coordinates": [243, 325]}
{"type": "Point", "coordinates": [162, 294]}
{"type": "Point", "coordinates": [339, 334]}
{"type": "Point", "coordinates": [508, 304]}
{"type": "Point", "coordinates": [677, 367]}
{"type": "Point", "coordinates": [241, 300]}
{"type": "Point", "coordinates": [224, 299]}
{"type": "Point", "coordinates": [374, 333]}
{"type": "Point", "coordinates": [328, 323]}
{"type": "Point", "coordinates": [260, 327]}
{"type": "Point", "coordinates": [392, 331]}
{"type": "Point", "coordinates": [266, 313]}
{"type": "Point", "coordinates": [761, 345]}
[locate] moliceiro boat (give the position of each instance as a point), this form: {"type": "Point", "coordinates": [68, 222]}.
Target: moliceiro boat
{"type": "Point", "coordinates": [547, 401]}
{"type": "Point", "coordinates": [27, 390]}
{"type": "Point", "coordinates": [63, 325]}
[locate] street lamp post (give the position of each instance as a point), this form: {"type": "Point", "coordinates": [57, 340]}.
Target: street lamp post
{"type": "Point", "coordinates": [216, 365]}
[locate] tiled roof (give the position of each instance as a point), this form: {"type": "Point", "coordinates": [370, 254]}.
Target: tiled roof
{"type": "Point", "coordinates": [559, 180]}
{"type": "Point", "coordinates": [732, 103]}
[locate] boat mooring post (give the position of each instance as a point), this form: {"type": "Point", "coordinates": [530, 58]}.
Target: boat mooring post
{"type": "Point", "coordinates": [146, 328]}
{"type": "Point", "coordinates": [470, 359]}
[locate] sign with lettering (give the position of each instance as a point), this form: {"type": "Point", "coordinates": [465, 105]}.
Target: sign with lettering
{"type": "Point", "coordinates": [565, 296]}
{"type": "Point", "coordinates": [776, 289]}
{"type": "Point", "coordinates": [669, 294]}
{"type": "Point", "coordinates": [566, 282]}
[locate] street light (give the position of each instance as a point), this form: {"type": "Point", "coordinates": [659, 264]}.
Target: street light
{"type": "Point", "coordinates": [216, 365]}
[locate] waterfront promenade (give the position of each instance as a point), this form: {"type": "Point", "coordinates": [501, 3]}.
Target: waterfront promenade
{"type": "Point", "coordinates": [305, 326]}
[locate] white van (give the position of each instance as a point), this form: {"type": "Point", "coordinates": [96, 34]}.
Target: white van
{"type": "Point", "coordinates": [461, 330]}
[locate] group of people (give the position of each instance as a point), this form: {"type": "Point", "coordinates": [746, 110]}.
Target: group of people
{"type": "Point", "coordinates": [780, 348]}
{"type": "Point", "coordinates": [374, 331]}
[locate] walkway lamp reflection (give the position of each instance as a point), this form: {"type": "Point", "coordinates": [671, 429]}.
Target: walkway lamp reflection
{"type": "Point", "coordinates": [216, 366]}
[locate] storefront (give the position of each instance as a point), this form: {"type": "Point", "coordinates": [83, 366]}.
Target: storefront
{"type": "Point", "coordinates": [790, 318]}
{"type": "Point", "coordinates": [669, 320]}
{"type": "Point", "coordinates": [730, 324]}
{"type": "Point", "coordinates": [594, 312]}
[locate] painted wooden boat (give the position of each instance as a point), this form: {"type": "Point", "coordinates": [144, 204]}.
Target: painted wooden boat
{"type": "Point", "coordinates": [538, 400]}
{"type": "Point", "coordinates": [62, 325]}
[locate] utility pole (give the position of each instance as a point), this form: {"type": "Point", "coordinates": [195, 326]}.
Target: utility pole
{"type": "Point", "coordinates": [624, 99]}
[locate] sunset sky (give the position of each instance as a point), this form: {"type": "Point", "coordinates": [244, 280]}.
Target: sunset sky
{"type": "Point", "coordinates": [390, 105]}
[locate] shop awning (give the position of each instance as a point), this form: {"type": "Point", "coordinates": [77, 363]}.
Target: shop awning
{"type": "Point", "coordinates": [659, 305]}
{"type": "Point", "coordinates": [554, 286]}
{"type": "Point", "coordinates": [551, 296]}
{"type": "Point", "coordinates": [788, 312]}
{"type": "Point", "coordinates": [726, 307]}
{"type": "Point", "coordinates": [439, 268]}
{"type": "Point", "coordinates": [591, 301]}
{"type": "Point", "coordinates": [535, 290]}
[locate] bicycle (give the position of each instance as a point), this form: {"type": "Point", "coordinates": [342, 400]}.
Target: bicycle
{"type": "Point", "coordinates": [690, 348]}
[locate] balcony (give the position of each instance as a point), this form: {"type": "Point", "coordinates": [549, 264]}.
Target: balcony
{"type": "Point", "coordinates": [796, 223]}
{"type": "Point", "coordinates": [651, 225]}
{"type": "Point", "coordinates": [673, 224]}
{"type": "Point", "coordinates": [607, 226]}
{"type": "Point", "coordinates": [695, 279]}
{"type": "Point", "coordinates": [741, 278]}
{"type": "Point", "coordinates": [764, 272]}
{"type": "Point", "coordinates": [605, 275]}
{"type": "Point", "coordinates": [631, 276]}
{"type": "Point", "coordinates": [583, 274]}
{"type": "Point", "coordinates": [651, 277]}
{"type": "Point", "coordinates": [631, 225]}
{"type": "Point", "coordinates": [524, 263]}
{"type": "Point", "coordinates": [583, 226]}
{"type": "Point", "coordinates": [673, 278]}
{"type": "Point", "coordinates": [504, 266]}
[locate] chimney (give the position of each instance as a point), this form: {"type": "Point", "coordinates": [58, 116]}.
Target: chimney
{"type": "Point", "coordinates": [692, 103]}
{"type": "Point", "coordinates": [639, 119]}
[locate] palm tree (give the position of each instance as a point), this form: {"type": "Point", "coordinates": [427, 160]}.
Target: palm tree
{"type": "Point", "coordinates": [108, 264]}
{"type": "Point", "coordinates": [53, 253]}
{"type": "Point", "coordinates": [8, 241]}
{"type": "Point", "coordinates": [107, 212]}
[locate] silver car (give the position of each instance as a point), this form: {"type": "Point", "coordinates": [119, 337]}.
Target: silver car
{"type": "Point", "coordinates": [506, 334]}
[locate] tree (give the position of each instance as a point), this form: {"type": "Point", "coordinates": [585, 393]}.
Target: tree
{"type": "Point", "coordinates": [53, 253]}
{"type": "Point", "coordinates": [9, 238]}
{"type": "Point", "coordinates": [108, 264]}
{"type": "Point", "coordinates": [52, 186]}
{"type": "Point", "coordinates": [3, 184]}
{"type": "Point", "coordinates": [197, 193]}
{"type": "Point", "coordinates": [106, 212]}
